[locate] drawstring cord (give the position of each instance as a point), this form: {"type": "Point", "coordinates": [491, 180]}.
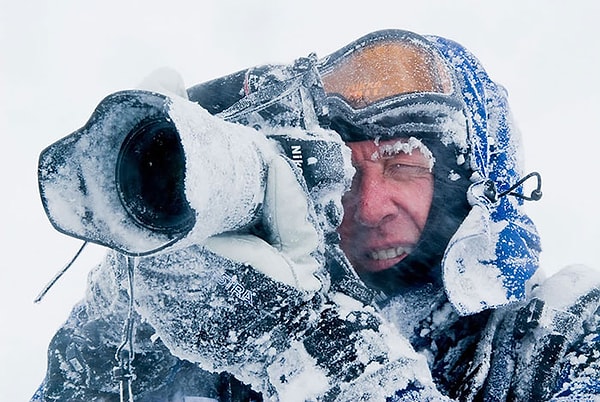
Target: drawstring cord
{"type": "Point", "coordinates": [124, 354]}
{"type": "Point", "coordinates": [491, 192]}
{"type": "Point", "coordinates": [535, 194]}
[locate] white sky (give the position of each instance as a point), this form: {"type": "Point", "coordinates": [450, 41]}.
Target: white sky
{"type": "Point", "coordinates": [58, 59]}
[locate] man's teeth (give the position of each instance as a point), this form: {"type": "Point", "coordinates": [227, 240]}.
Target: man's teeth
{"type": "Point", "coordinates": [390, 253]}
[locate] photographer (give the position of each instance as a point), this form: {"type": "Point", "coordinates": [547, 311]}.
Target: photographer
{"type": "Point", "coordinates": [262, 294]}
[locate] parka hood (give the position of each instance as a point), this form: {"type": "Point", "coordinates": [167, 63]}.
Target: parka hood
{"type": "Point", "coordinates": [496, 249]}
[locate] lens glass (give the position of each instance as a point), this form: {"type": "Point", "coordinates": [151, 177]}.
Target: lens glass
{"type": "Point", "coordinates": [151, 178]}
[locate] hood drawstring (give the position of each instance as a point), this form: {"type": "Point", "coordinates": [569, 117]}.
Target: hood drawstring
{"type": "Point", "coordinates": [491, 192]}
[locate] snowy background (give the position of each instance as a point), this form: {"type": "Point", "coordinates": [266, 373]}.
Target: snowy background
{"type": "Point", "coordinates": [58, 59]}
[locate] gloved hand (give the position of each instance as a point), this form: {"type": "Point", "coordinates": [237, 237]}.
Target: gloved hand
{"type": "Point", "coordinates": [259, 303]}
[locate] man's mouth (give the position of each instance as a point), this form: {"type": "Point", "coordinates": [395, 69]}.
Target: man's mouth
{"type": "Point", "coordinates": [389, 253]}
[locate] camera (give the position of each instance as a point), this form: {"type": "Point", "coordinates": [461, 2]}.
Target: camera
{"type": "Point", "coordinates": [148, 170]}
{"type": "Point", "coordinates": [119, 181]}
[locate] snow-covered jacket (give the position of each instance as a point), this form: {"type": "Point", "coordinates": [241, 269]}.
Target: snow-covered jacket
{"type": "Point", "coordinates": [495, 331]}
{"type": "Point", "coordinates": [82, 356]}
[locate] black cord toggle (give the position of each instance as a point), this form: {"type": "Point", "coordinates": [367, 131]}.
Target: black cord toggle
{"type": "Point", "coordinates": [491, 192]}
{"type": "Point", "coordinates": [535, 195]}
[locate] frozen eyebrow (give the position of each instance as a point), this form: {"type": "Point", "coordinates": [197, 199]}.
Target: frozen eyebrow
{"type": "Point", "coordinates": [404, 146]}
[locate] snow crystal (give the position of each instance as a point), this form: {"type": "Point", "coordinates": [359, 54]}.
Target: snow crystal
{"type": "Point", "coordinates": [453, 176]}
{"type": "Point", "coordinates": [297, 376]}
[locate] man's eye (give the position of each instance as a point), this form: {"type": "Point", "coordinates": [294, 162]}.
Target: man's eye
{"type": "Point", "coordinates": [401, 172]}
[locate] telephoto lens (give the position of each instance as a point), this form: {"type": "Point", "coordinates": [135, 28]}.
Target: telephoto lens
{"type": "Point", "coordinates": [147, 171]}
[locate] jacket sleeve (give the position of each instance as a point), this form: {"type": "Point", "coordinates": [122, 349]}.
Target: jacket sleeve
{"type": "Point", "coordinates": [578, 371]}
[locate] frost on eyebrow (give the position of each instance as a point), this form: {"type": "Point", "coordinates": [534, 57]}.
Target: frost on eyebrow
{"type": "Point", "coordinates": [405, 146]}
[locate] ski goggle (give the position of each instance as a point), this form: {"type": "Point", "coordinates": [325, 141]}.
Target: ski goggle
{"type": "Point", "coordinates": [388, 84]}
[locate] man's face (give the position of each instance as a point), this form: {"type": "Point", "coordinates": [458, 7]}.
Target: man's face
{"type": "Point", "coordinates": [387, 207]}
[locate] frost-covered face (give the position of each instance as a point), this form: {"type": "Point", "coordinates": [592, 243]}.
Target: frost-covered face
{"type": "Point", "coordinates": [387, 206]}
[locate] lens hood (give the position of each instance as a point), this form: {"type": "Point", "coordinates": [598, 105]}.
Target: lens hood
{"type": "Point", "coordinates": [119, 180]}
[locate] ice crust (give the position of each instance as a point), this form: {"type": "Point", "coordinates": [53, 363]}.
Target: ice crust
{"type": "Point", "coordinates": [226, 165]}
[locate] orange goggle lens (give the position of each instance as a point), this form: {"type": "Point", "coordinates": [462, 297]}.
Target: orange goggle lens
{"type": "Point", "coordinates": [386, 69]}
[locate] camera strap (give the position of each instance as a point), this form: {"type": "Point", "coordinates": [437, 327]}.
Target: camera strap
{"type": "Point", "coordinates": [124, 354]}
{"type": "Point", "coordinates": [59, 274]}
{"type": "Point", "coordinates": [281, 94]}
